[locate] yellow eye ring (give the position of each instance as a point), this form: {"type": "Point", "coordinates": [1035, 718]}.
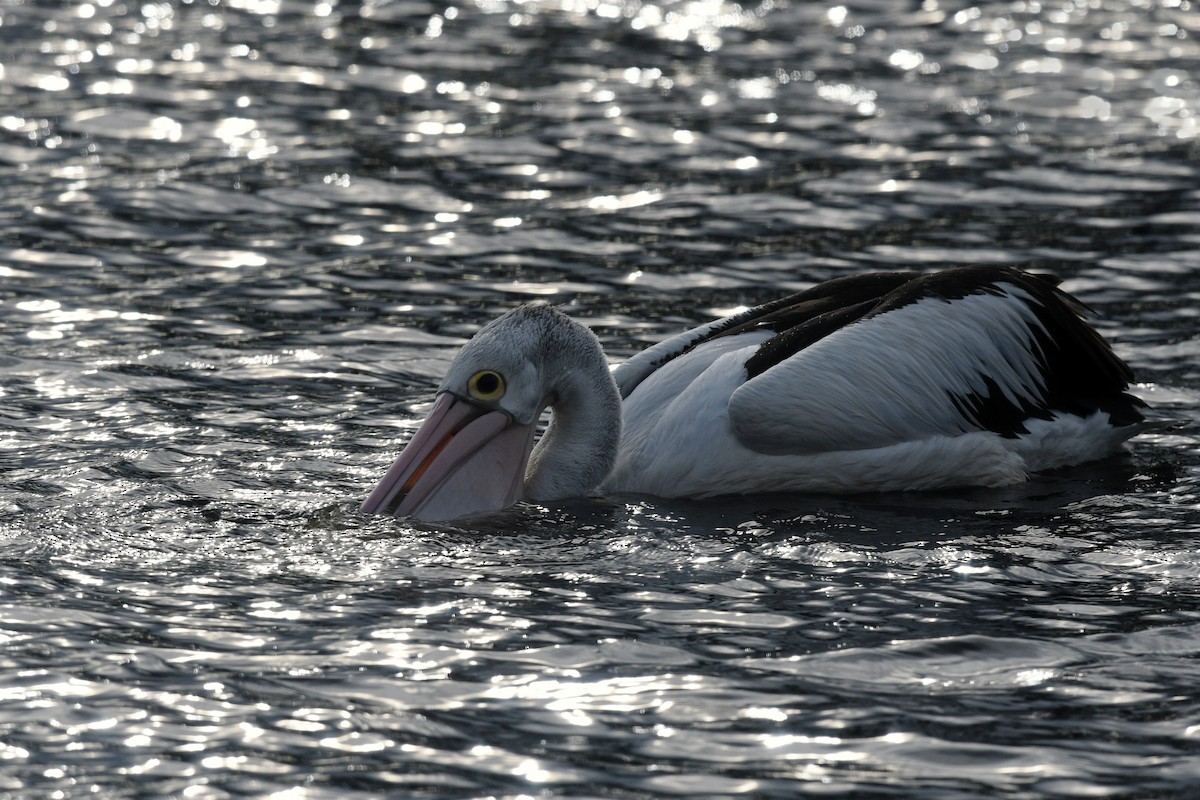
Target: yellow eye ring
{"type": "Point", "coordinates": [486, 385]}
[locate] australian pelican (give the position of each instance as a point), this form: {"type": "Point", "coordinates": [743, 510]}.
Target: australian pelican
{"type": "Point", "coordinates": [885, 381]}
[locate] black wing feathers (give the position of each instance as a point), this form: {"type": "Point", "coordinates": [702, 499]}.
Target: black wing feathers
{"type": "Point", "coordinates": [810, 316]}
{"type": "Point", "coordinates": [1079, 372]}
{"type": "Point", "coordinates": [787, 315]}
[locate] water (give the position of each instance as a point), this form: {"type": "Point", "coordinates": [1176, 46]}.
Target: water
{"type": "Point", "coordinates": [241, 241]}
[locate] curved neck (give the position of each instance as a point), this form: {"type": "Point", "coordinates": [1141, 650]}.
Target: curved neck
{"type": "Point", "coordinates": [579, 447]}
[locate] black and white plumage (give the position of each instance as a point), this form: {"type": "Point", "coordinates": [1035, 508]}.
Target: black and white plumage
{"type": "Point", "coordinates": [975, 376]}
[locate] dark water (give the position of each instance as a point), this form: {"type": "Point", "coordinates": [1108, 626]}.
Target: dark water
{"type": "Point", "coordinates": [240, 241]}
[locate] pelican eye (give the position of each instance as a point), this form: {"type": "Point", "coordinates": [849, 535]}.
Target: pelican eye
{"type": "Point", "coordinates": [486, 385]}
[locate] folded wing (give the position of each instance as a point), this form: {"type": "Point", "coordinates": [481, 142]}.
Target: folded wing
{"type": "Point", "coordinates": [981, 348]}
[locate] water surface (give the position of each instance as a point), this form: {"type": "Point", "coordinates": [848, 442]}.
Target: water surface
{"type": "Point", "coordinates": [242, 240]}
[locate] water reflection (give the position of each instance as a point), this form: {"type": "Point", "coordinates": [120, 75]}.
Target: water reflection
{"type": "Point", "coordinates": [243, 240]}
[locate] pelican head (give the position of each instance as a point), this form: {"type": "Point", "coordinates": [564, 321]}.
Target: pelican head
{"type": "Point", "coordinates": [475, 451]}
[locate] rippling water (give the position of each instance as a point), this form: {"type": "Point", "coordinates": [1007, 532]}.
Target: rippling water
{"type": "Point", "coordinates": [241, 241]}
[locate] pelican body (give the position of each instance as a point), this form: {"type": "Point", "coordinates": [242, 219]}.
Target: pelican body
{"type": "Point", "coordinates": [976, 376]}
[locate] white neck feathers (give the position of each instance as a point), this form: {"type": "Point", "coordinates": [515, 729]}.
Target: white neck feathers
{"type": "Point", "coordinates": [579, 447]}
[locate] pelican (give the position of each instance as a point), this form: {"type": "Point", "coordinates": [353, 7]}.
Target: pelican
{"type": "Point", "coordinates": [975, 376]}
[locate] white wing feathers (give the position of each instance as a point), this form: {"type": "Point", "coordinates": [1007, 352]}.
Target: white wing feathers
{"type": "Point", "coordinates": [629, 373]}
{"type": "Point", "coordinates": [892, 377]}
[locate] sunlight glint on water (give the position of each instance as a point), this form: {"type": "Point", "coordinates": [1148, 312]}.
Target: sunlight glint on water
{"type": "Point", "coordinates": [242, 242]}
